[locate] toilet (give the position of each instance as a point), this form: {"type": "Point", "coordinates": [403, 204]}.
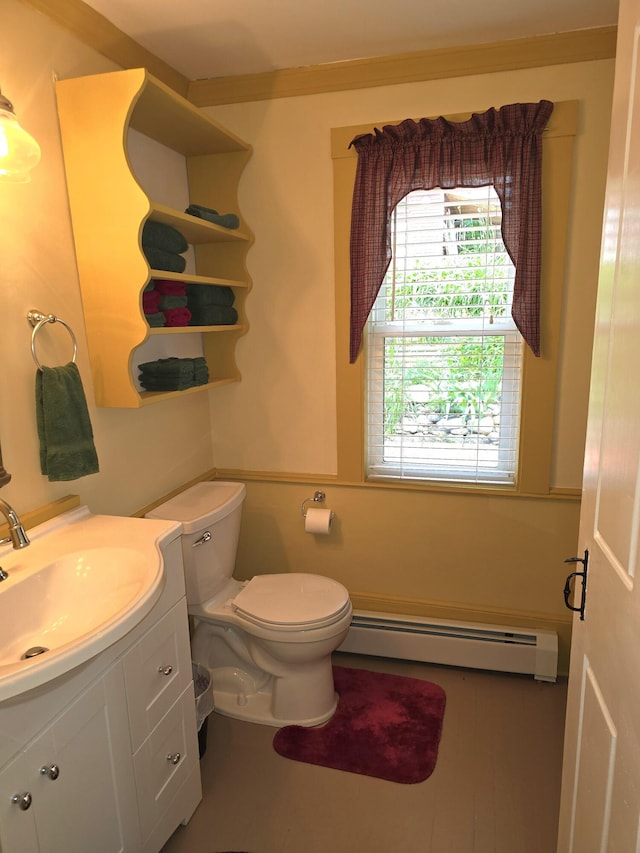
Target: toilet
{"type": "Point", "coordinates": [268, 641]}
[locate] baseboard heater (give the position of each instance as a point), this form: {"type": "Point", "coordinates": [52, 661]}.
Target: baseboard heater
{"type": "Point", "coordinates": [466, 644]}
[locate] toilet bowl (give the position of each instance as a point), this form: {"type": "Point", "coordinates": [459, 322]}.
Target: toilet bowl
{"type": "Point", "coordinates": [267, 641]}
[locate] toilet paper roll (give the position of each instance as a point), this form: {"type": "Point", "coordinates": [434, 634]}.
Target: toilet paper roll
{"type": "Point", "coordinates": [318, 521]}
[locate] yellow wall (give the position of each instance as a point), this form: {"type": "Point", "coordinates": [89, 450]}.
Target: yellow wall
{"type": "Point", "coordinates": [498, 558]}
{"type": "Point", "coordinates": [481, 558]}
{"type": "Point", "coordinates": [282, 417]}
{"type": "Point", "coordinates": [142, 453]}
{"type": "Point", "coordinates": [418, 551]}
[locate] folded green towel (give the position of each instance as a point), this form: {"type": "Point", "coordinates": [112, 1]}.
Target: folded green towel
{"type": "Point", "coordinates": [67, 451]}
{"type": "Point", "coordinates": [167, 302]}
{"type": "Point", "coordinates": [181, 367]}
{"type": "Point", "coordinates": [200, 371]}
{"type": "Point", "coordinates": [155, 320]}
{"type": "Point", "coordinates": [213, 315]}
{"type": "Point", "coordinates": [173, 374]}
{"type": "Point", "coordinates": [200, 295]}
{"type": "Point", "coordinates": [168, 384]}
{"type": "Point", "coordinates": [159, 259]}
{"type": "Point", "coordinates": [226, 220]}
{"type": "Point", "coordinates": [158, 235]}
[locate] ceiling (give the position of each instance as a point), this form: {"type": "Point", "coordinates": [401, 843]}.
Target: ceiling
{"type": "Point", "coordinates": [204, 39]}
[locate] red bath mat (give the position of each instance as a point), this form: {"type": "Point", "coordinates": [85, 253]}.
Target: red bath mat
{"type": "Point", "coordinates": [386, 726]}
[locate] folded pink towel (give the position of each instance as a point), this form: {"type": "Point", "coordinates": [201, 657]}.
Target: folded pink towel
{"type": "Point", "coordinates": [170, 287]}
{"type": "Point", "coordinates": [177, 317]}
{"type": "Point", "coordinates": [151, 301]}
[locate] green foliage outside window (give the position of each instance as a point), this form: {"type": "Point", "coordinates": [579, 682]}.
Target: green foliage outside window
{"type": "Point", "coordinates": [458, 375]}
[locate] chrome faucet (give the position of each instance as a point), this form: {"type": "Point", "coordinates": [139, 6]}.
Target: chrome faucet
{"type": "Point", "coordinates": [17, 535]}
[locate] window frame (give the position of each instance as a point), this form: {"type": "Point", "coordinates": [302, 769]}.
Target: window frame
{"type": "Point", "coordinates": [539, 375]}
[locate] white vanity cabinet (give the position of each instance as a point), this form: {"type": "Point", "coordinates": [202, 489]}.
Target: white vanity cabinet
{"type": "Point", "coordinates": [74, 787]}
{"type": "Point", "coordinates": [105, 759]}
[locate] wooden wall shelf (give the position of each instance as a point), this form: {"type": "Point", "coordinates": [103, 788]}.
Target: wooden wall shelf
{"type": "Point", "coordinates": [109, 208]}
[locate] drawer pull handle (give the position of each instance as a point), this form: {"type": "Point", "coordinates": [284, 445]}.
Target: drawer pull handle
{"type": "Point", "coordinates": [206, 537]}
{"type": "Point", "coordinates": [174, 757]}
{"type": "Point", "coordinates": [52, 771]}
{"type": "Point", "coordinates": [23, 801]}
{"type": "Point", "coordinates": [165, 670]}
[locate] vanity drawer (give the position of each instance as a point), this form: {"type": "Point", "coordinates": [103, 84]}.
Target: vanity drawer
{"type": "Point", "coordinates": [165, 760]}
{"type": "Point", "coordinates": [157, 670]}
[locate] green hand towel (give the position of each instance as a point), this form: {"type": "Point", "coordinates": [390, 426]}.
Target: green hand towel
{"type": "Point", "coordinates": [200, 295]}
{"type": "Point", "coordinates": [160, 236]}
{"type": "Point", "coordinates": [168, 302]}
{"type": "Point", "coordinates": [155, 320]}
{"type": "Point", "coordinates": [168, 384]}
{"type": "Point", "coordinates": [168, 367]}
{"type": "Point", "coordinates": [226, 220]}
{"type": "Point", "coordinates": [173, 374]}
{"type": "Point", "coordinates": [213, 315]}
{"type": "Point", "coordinates": [67, 451]}
{"type": "Point", "coordinates": [160, 259]}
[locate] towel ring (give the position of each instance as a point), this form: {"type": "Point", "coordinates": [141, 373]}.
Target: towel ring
{"type": "Point", "coordinates": [38, 320]}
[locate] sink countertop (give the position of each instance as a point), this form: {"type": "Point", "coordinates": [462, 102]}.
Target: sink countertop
{"type": "Point", "coordinates": [83, 583]}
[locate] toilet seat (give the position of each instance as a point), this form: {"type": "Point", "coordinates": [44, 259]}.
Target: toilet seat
{"type": "Point", "coordinates": [296, 601]}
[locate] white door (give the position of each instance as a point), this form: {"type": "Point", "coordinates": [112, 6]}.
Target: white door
{"type": "Point", "coordinates": [600, 805]}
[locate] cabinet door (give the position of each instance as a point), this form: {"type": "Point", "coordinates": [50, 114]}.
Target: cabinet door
{"type": "Point", "coordinates": [21, 778]}
{"type": "Point", "coordinates": [85, 799]}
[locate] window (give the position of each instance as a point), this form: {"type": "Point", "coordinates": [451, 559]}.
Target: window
{"type": "Point", "coordinates": [443, 352]}
{"type": "Point", "coordinates": [538, 375]}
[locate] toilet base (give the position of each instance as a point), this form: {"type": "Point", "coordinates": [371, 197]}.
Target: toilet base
{"type": "Point", "coordinates": [256, 708]}
{"type": "Point", "coordinates": [270, 680]}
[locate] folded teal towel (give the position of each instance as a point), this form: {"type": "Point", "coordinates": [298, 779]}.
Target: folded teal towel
{"type": "Point", "coordinates": [213, 315]}
{"type": "Point", "coordinates": [200, 295]}
{"type": "Point", "coordinates": [226, 220]}
{"type": "Point", "coordinates": [159, 259]}
{"type": "Point", "coordinates": [157, 235]}
{"type": "Point", "coordinates": [168, 367]}
{"type": "Point", "coordinates": [155, 320]}
{"type": "Point", "coordinates": [172, 385]}
{"type": "Point", "coordinates": [168, 384]}
{"type": "Point", "coordinates": [167, 302]}
{"type": "Point", "coordinates": [67, 451]}
{"type": "Point", "coordinates": [173, 374]}
{"type": "Point", "coordinates": [200, 371]}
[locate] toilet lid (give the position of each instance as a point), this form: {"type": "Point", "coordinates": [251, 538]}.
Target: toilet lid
{"type": "Point", "coordinates": [292, 599]}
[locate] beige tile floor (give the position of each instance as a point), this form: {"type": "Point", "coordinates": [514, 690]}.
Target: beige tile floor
{"type": "Point", "coordinates": [495, 788]}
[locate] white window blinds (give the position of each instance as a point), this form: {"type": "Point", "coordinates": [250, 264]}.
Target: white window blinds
{"type": "Point", "coordinates": [443, 353]}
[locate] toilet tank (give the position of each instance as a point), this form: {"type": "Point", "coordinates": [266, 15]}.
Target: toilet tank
{"type": "Point", "coordinates": [213, 507]}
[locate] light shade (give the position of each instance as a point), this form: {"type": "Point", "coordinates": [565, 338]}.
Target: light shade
{"type": "Point", "coordinates": [19, 152]}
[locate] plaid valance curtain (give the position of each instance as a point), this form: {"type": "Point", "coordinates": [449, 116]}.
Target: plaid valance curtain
{"type": "Point", "coordinates": [500, 147]}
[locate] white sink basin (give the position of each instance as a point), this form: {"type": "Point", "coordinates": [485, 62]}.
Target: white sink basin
{"type": "Point", "coordinates": [83, 583]}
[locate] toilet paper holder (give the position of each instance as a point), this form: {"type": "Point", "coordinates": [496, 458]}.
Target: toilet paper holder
{"type": "Point", "coordinates": [317, 498]}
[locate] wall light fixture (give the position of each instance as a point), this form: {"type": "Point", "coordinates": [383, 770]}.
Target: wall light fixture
{"type": "Point", "coordinates": [19, 152]}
